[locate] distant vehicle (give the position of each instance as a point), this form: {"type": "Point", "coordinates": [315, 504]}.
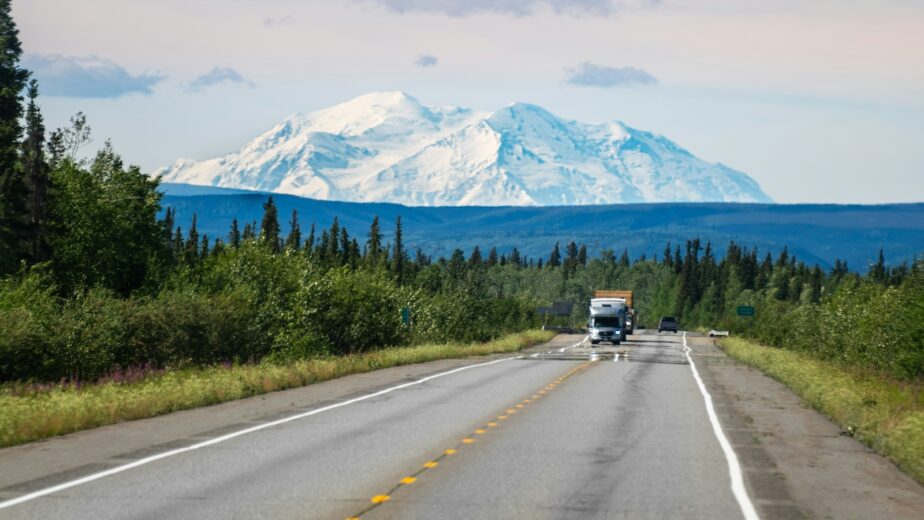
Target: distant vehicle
{"type": "Point", "coordinates": [607, 320]}
{"type": "Point", "coordinates": [667, 323]}
{"type": "Point", "coordinates": [625, 296]}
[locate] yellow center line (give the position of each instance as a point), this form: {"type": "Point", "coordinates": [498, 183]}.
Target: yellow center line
{"type": "Point", "coordinates": [377, 500]}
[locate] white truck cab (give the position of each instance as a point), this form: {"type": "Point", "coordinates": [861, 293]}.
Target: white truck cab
{"type": "Point", "coordinates": [607, 320]}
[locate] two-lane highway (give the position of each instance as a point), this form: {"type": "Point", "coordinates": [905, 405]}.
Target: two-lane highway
{"type": "Point", "coordinates": [578, 431]}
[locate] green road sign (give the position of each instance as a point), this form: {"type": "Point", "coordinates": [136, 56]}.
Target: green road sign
{"type": "Point", "coordinates": [405, 315]}
{"type": "Point", "coordinates": [745, 311]}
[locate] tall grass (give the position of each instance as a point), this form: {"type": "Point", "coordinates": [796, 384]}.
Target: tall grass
{"type": "Point", "coordinates": [33, 412]}
{"type": "Point", "coordinates": [883, 413]}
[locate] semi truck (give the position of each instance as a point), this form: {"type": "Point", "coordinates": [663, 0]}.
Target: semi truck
{"type": "Point", "coordinates": [607, 320]}
{"type": "Point", "coordinates": [625, 296]}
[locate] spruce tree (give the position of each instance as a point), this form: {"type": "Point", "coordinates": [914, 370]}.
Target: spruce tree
{"type": "Point", "coordinates": [399, 255]}
{"type": "Point", "coordinates": [878, 272]}
{"type": "Point", "coordinates": [332, 253]}
{"type": "Point", "coordinates": [234, 236]}
{"type": "Point", "coordinates": [14, 216]}
{"type": "Point", "coordinates": [515, 258]}
{"type": "Point", "coordinates": [374, 244]}
{"type": "Point", "coordinates": [309, 244]}
{"type": "Point", "coordinates": [582, 255]}
{"type": "Point", "coordinates": [178, 245]}
{"type": "Point", "coordinates": [624, 259]}
{"type": "Point", "coordinates": [555, 257]}
{"type": "Point", "coordinates": [294, 240]}
{"type": "Point", "coordinates": [269, 226]}
{"type": "Point", "coordinates": [492, 257]}
{"type": "Point", "coordinates": [475, 260]}
{"type": "Point", "coordinates": [346, 252]}
{"type": "Point", "coordinates": [36, 178]}
{"type": "Point", "coordinates": [248, 234]}
{"type": "Point", "coordinates": [192, 243]}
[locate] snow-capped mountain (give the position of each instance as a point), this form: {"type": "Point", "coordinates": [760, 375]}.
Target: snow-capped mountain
{"type": "Point", "coordinates": [388, 147]}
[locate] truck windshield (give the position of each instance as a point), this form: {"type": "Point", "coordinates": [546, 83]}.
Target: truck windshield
{"type": "Point", "coordinates": [612, 322]}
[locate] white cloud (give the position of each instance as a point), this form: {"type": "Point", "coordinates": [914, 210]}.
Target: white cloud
{"type": "Point", "coordinates": [426, 60]}
{"type": "Point", "coordinates": [219, 76]}
{"type": "Point", "coordinates": [87, 77]}
{"type": "Point", "coordinates": [590, 75]}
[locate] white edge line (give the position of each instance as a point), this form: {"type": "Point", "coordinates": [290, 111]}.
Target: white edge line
{"type": "Point", "coordinates": [734, 468]}
{"type": "Point", "coordinates": [239, 433]}
{"type": "Point", "coordinates": [578, 344]}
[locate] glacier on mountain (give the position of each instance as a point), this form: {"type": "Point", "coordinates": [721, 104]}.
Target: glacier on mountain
{"type": "Point", "coordinates": [388, 147]}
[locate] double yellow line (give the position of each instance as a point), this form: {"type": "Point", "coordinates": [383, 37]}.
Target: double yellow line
{"type": "Point", "coordinates": [493, 424]}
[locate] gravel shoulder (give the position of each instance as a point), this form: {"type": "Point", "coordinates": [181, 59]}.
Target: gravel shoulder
{"type": "Point", "coordinates": [797, 463]}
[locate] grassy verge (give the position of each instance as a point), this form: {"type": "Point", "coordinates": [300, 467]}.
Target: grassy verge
{"type": "Point", "coordinates": [31, 416]}
{"type": "Point", "coordinates": [884, 414]}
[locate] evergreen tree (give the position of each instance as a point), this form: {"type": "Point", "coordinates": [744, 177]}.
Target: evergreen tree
{"type": "Point", "coordinates": [582, 255]}
{"type": "Point", "coordinates": [399, 256]}
{"type": "Point", "coordinates": [624, 259]}
{"type": "Point", "coordinates": [309, 244]}
{"type": "Point", "coordinates": [346, 252]}
{"type": "Point", "coordinates": [515, 258]}
{"type": "Point", "coordinates": [294, 240]}
{"type": "Point", "coordinates": [13, 191]}
{"type": "Point", "coordinates": [555, 257]}
{"type": "Point", "coordinates": [878, 272]}
{"type": "Point", "coordinates": [234, 236]}
{"type": "Point", "coordinates": [204, 250]}
{"type": "Point", "coordinates": [668, 259]}
{"type": "Point", "coordinates": [374, 244]}
{"type": "Point", "coordinates": [249, 233]}
{"type": "Point", "coordinates": [492, 257]}
{"type": "Point", "coordinates": [37, 179]}
{"type": "Point", "coordinates": [179, 245]}
{"type": "Point", "coordinates": [192, 243]}
{"type": "Point", "coordinates": [218, 248]}
{"type": "Point", "coordinates": [269, 226]}
{"type": "Point", "coordinates": [332, 251]}
{"type": "Point", "coordinates": [169, 221]}
{"type": "Point", "coordinates": [421, 259]}
{"type": "Point", "coordinates": [475, 260]}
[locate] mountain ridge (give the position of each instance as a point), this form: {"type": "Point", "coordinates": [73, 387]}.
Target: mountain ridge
{"type": "Point", "coordinates": [388, 147]}
{"type": "Point", "coordinates": [816, 233]}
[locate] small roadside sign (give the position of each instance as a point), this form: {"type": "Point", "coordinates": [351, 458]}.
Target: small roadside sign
{"type": "Point", "coordinates": [745, 311]}
{"type": "Point", "coordinates": [406, 315]}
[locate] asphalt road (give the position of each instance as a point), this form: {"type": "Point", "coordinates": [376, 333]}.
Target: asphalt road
{"type": "Point", "coordinates": [603, 432]}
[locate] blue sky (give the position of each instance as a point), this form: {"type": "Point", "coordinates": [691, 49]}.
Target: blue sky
{"type": "Point", "coordinates": [819, 101]}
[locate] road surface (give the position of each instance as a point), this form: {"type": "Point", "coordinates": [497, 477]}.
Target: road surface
{"type": "Point", "coordinates": [568, 430]}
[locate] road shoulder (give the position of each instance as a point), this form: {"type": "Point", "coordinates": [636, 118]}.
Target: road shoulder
{"type": "Point", "coordinates": [797, 463]}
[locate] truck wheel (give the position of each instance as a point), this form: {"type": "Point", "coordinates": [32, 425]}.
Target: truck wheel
{"type": "Point", "coordinates": [616, 343]}
{"type": "Point", "coordinates": [594, 342]}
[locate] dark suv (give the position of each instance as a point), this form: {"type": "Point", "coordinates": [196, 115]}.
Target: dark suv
{"type": "Point", "coordinates": [667, 323]}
